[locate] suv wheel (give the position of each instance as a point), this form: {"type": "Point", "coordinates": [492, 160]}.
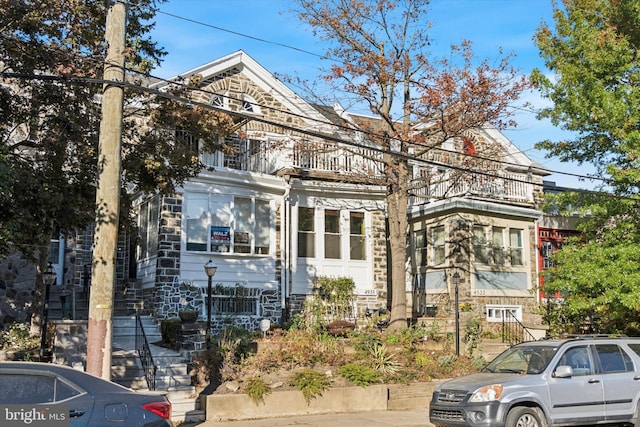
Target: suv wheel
{"type": "Point", "coordinates": [522, 416]}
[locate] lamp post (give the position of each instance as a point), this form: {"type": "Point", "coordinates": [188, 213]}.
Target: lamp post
{"type": "Point", "coordinates": [48, 279]}
{"type": "Point", "coordinates": [456, 282]}
{"type": "Point", "coordinates": [209, 268]}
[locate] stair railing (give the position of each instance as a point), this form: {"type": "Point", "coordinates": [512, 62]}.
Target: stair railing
{"type": "Point", "coordinates": [144, 353]}
{"type": "Point", "coordinates": [513, 331]}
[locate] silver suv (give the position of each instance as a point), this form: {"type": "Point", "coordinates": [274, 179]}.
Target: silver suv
{"type": "Point", "coordinates": [576, 381]}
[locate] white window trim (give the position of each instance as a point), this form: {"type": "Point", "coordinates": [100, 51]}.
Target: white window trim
{"type": "Point", "coordinates": [495, 312]}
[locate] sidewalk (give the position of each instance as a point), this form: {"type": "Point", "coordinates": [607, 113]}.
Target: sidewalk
{"type": "Point", "coordinates": [408, 418]}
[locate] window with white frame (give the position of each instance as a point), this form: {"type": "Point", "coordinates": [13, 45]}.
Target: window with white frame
{"type": "Point", "coordinates": [491, 247]}
{"type": "Point", "coordinates": [516, 249]}
{"type": "Point", "coordinates": [219, 99]}
{"type": "Point", "coordinates": [249, 105]}
{"type": "Point", "coordinates": [227, 224]}
{"type": "Point", "coordinates": [148, 228]}
{"type": "Point", "coordinates": [480, 244]}
{"type": "Point", "coordinates": [438, 245]}
{"type": "Point", "coordinates": [332, 234]}
{"type": "Point", "coordinates": [498, 252]}
{"type": "Point", "coordinates": [420, 245]}
{"type": "Point", "coordinates": [510, 313]}
{"type": "Point", "coordinates": [357, 247]}
{"type": "Point", "coordinates": [306, 233]}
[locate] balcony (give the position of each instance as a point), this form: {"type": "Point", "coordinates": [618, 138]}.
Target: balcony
{"type": "Point", "coordinates": [298, 158]}
{"type": "Point", "coordinates": [494, 185]}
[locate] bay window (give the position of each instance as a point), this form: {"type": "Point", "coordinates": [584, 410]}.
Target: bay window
{"type": "Point", "coordinates": [497, 246]}
{"type": "Point", "coordinates": [438, 245]}
{"type": "Point", "coordinates": [227, 224]}
{"type": "Point", "coordinates": [515, 246]}
{"type": "Point", "coordinates": [480, 246]}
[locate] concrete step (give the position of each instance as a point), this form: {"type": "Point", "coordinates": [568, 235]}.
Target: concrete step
{"type": "Point", "coordinates": [172, 374]}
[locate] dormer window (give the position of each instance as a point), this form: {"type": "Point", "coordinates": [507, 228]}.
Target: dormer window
{"type": "Point", "coordinates": [219, 100]}
{"type": "Point", "coordinates": [249, 105]}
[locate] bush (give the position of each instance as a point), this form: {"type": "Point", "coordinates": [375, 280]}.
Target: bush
{"type": "Point", "coordinates": [311, 383]}
{"type": "Point", "coordinates": [17, 337]}
{"type": "Point", "coordinates": [359, 374]}
{"type": "Point", "coordinates": [169, 330]}
{"type": "Point", "coordinates": [257, 389]}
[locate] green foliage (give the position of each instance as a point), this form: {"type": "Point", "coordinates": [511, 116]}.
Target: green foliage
{"type": "Point", "coordinates": [256, 388]}
{"type": "Point", "coordinates": [472, 334]}
{"type": "Point", "coordinates": [311, 383]}
{"type": "Point", "coordinates": [591, 51]}
{"type": "Point", "coordinates": [16, 337]}
{"type": "Point", "coordinates": [446, 360]}
{"type": "Point", "coordinates": [332, 300]}
{"type": "Point", "coordinates": [421, 359]}
{"type": "Point", "coordinates": [169, 331]}
{"type": "Point", "coordinates": [592, 54]}
{"type": "Point", "coordinates": [600, 280]}
{"type": "Point", "coordinates": [383, 361]}
{"type": "Point", "coordinates": [359, 374]}
{"type": "Point", "coordinates": [479, 363]}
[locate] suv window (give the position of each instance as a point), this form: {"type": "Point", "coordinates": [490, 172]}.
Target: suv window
{"type": "Point", "coordinates": [579, 358]}
{"type": "Point", "coordinates": [613, 358]}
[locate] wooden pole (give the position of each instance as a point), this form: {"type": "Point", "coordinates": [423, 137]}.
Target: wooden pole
{"type": "Point", "coordinates": [107, 200]}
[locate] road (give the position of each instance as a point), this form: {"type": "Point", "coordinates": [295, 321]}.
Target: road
{"type": "Point", "coordinates": [408, 418]}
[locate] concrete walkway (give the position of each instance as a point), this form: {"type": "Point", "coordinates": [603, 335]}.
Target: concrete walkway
{"type": "Point", "coordinates": [408, 418]}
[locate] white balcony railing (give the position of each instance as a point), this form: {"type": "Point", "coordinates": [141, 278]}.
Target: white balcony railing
{"type": "Point", "coordinates": [495, 184]}
{"type": "Point", "coordinates": [266, 157]}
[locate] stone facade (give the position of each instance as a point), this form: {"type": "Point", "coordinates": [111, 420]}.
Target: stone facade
{"type": "Point", "coordinates": [17, 279]}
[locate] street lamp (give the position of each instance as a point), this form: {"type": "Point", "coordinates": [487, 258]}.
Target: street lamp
{"type": "Point", "coordinates": [209, 268]}
{"type": "Point", "coordinates": [48, 279]}
{"type": "Point", "coordinates": [456, 282]}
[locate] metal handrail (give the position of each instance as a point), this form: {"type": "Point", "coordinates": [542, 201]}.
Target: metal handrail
{"type": "Point", "coordinates": [513, 331]}
{"type": "Point", "coordinates": [144, 353]}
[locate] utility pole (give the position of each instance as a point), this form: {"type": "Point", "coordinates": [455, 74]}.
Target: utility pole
{"type": "Point", "coordinates": [107, 199]}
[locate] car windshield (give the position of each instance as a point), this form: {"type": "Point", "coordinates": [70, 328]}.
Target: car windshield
{"type": "Point", "coordinates": [522, 359]}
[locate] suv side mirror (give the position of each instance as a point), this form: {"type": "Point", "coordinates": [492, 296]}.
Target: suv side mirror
{"type": "Point", "coordinates": [563, 371]}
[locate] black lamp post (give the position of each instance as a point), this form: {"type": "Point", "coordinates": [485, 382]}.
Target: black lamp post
{"type": "Point", "coordinates": [456, 282]}
{"type": "Point", "coordinates": [48, 279]}
{"type": "Point", "coordinates": [209, 268]}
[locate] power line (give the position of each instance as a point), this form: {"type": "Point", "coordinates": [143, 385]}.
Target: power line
{"type": "Point", "coordinates": [215, 27]}
{"type": "Point", "coordinates": [246, 116]}
{"type": "Point", "coordinates": [306, 118]}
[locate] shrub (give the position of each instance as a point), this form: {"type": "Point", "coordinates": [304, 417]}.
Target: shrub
{"type": "Point", "coordinates": [169, 330]}
{"type": "Point", "coordinates": [359, 374]}
{"type": "Point", "coordinates": [17, 337]}
{"type": "Point", "coordinates": [383, 361]}
{"type": "Point", "coordinates": [421, 359]}
{"type": "Point", "coordinates": [257, 389]}
{"type": "Point", "coordinates": [311, 383]}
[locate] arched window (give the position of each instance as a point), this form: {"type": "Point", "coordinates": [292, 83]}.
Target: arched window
{"type": "Point", "coordinates": [219, 100]}
{"type": "Point", "coordinates": [249, 105]}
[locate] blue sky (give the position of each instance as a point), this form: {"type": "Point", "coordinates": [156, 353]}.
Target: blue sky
{"type": "Point", "coordinates": [489, 24]}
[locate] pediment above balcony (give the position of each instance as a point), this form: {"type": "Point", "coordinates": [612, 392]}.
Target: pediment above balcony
{"type": "Point", "coordinates": [239, 77]}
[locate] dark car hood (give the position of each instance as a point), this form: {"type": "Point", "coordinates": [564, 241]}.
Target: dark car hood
{"type": "Point", "coordinates": [474, 381]}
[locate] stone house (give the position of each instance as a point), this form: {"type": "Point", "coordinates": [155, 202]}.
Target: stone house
{"type": "Point", "coordinates": [292, 204]}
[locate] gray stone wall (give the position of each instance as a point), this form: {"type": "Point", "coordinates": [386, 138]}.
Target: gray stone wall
{"type": "Point", "coordinates": [379, 241]}
{"type": "Point", "coordinates": [17, 280]}
{"type": "Point", "coordinates": [168, 259]}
